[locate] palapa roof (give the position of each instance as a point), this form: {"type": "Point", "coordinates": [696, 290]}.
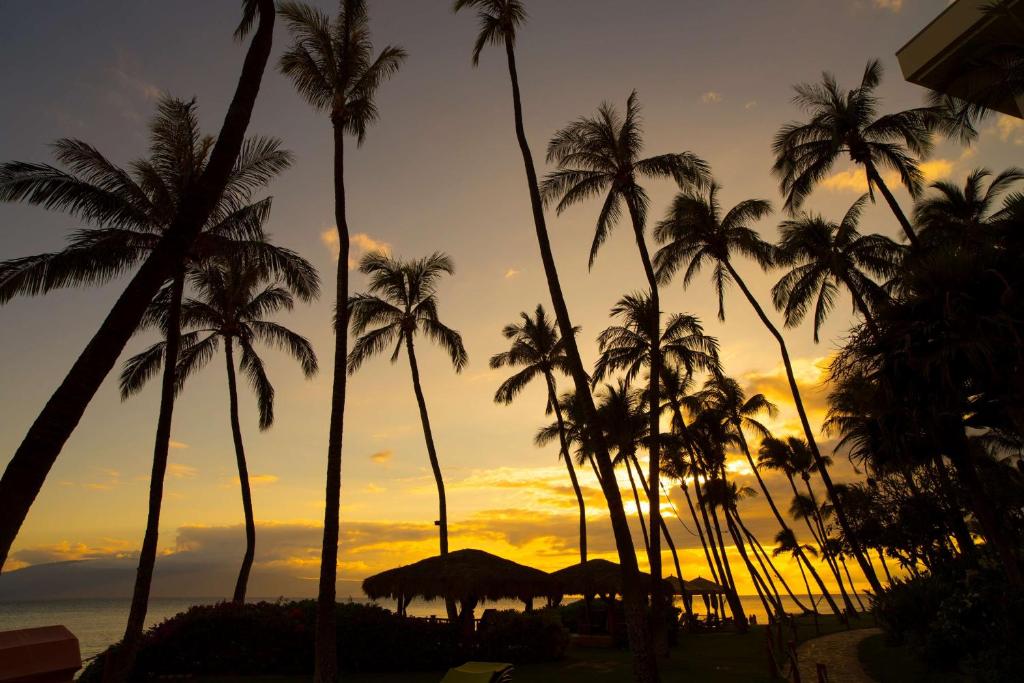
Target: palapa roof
{"type": "Point", "coordinates": [461, 575]}
{"type": "Point", "coordinates": [594, 577]}
{"type": "Point", "coordinates": [698, 586]}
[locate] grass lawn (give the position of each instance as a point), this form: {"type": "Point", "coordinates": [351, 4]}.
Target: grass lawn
{"type": "Point", "coordinates": [711, 658]}
{"type": "Point", "coordinates": [897, 664]}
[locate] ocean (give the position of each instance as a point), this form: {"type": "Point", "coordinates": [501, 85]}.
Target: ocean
{"type": "Point", "coordinates": [100, 622]}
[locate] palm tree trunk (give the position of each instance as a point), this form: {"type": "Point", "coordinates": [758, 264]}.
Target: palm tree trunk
{"type": "Point", "coordinates": [762, 590]}
{"type": "Point", "coordinates": [759, 548]}
{"type": "Point", "coordinates": [876, 179]}
{"type": "Point", "coordinates": [826, 478]}
{"type": "Point", "coordinates": [639, 507]}
{"type": "Point", "coordinates": [988, 519]}
{"type": "Point", "coordinates": [645, 668]}
{"type": "Point", "coordinates": [960, 531]}
{"type": "Point", "coordinates": [862, 305]}
{"type": "Point", "coordinates": [767, 577]}
{"type": "Point", "coordinates": [821, 540]}
{"type": "Point", "coordinates": [654, 443]}
{"type": "Point", "coordinates": [119, 663]}
{"type": "Point", "coordinates": [721, 557]}
{"type": "Point", "coordinates": [31, 462]}
{"type": "Point", "coordinates": [782, 522]}
{"type": "Point", "coordinates": [885, 567]}
{"type": "Point", "coordinates": [849, 578]}
{"type": "Point", "coordinates": [428, 436]}
{"type": "Point", "coordinates": [326, 647]}
{"type": "Point", "coordinates": [567, 458]}
{"type": "Point", "coordinates": [700, 532]}
{"type": "Point", "coordinates": [243, 477]}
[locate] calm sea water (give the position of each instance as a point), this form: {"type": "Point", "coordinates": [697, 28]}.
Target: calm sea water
{"type": "Point", "coordinates": [100, 622]}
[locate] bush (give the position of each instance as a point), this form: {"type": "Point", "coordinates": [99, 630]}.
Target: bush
{"type": "Point", "coordinates": [958, 619]}
{"type": "Point", "coordinates": [521, 638]}
{"type": "Point", "coordinates": [277, 638]}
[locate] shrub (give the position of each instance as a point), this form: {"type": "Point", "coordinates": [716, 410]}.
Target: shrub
{"type": "Point", "coordinates": [277, 638]}
{"type": "Point", "coordinates": [521, 638]}
{"type": "Point", "coordinates": [955, 618]}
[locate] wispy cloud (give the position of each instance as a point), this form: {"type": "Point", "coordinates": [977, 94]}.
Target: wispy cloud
{"type": "Point", "coordinates": [382, 457]}
{"type": "Point", "coordinates": [177, 444]}
{"type": "Point", "coordinates": [359, 244]}
{"type": "Point", "coordinates": [711, 97]}
{"type": "Point", "coordinates": [176, 470]}
{"type": "Point", "coordinates": [1010, 129]}
{"type": "Point", "coordinates": [752, 104]}
{"type": "Point", "coordinates": [512, 273]}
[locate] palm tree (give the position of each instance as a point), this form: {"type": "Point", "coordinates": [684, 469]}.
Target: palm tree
{"type": "Point", "coordinates": [694, 233]}
{"type": "Point", "coordinates": [55, 189]}
{"type": "Point", "coordinates": [847, 122]}
{"type": "Point", "coordinates": [965, 216]}
{"type": "Point", "coordinates": [825, 255]}
{"type": "Point", "coordinates": [401, 302]}
{"type": "Point", "coordinates": [786, 542]}
{"type": "Point", "coordinates": [234, 297]}
{"type": "Point", "coordinates": [150, 194]}
{"type": "Point", "coordinates": [332, 66]}
{"type": "Point", "coordinates": [539, 351]}
{"type": "Point", "coordinates": [602, 155]}
{"type": "Point", "coordinates": [499, 20]}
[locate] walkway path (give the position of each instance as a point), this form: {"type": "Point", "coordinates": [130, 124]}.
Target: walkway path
{"type": "Point", "coordinates": [838, 652]}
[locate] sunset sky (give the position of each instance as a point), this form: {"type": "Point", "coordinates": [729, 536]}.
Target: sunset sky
{"type": "Point", "coordinates": [440, 171]}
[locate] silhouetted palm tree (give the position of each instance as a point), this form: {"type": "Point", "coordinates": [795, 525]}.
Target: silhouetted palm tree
{"type": "Point", "coordinates": [694, 234]}
{"type": "Point", "coordinates": [499, 20]}
{"type": "Point", "coordinates": [539, 351]}
{"type": "Point", "coordinates": [824, 255]}
{"type": "Point", "coordinates": [964, 216]}
{"type": "Point", "coordinates": [602, 155]}
{"type": "Point", "coordinates": [233, 298]}
{"type": "Point", "coordinates": [401, 303]}
{"type": "Point", "coordinates": [847, 122]}
{"type": "Point", "coordinates": [331, 64]}
{"type": "Point", "coordinates": [149, 195]}
{"type": "Point", "coordinates": [27, 469]}
{"type": "Point", "coordinates": [786, 542]}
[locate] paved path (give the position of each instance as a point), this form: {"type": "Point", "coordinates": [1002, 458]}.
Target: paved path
{"type": "Point", "coordinates": [837, 651]}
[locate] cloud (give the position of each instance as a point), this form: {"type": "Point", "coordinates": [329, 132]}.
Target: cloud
{"type": "Point", "coordinates": [360, 243]}
{"type": "Point", "coordinates": [177, 444]}
{"type": "Point", "coordinates": [257, 480]}
{"type": "Point", "coordinates": [373, 488]}
{"type": "Point", "coordinates": [752, 104]}
{"type": "Point", "coordinates": [893, 6]}
{"type": "Point", "coordinates": [810, 376]}
{"type": "Point", "coordinates": [176, 470]}
{"type": "Point", "coordinates": [852, 180]}
{"type": "Point", "coordinates": [512, 273]}
{"type": "Point", "coordinates": [66, 551]}
{"type": "Point", "coordinates": [1010, 128]}
{"type": "Point", "coordinates": [936, 169]}
{"type": "Point", "coordinates": [111, 480]}
{"type": "Point", "coordinates": [711, 97]}
{"type": "Point", "coordinates": [382, 457]}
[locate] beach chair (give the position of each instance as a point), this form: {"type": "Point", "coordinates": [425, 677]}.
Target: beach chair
{"type": "Point", "coordinates": [479, 672]}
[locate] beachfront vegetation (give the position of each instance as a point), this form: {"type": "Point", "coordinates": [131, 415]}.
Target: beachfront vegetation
{"type": "Point", "coordinates": [925, 389]}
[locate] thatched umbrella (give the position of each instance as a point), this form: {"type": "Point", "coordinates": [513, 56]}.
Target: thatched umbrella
{"type": "Point", "coordinates": [468, 576]}
{"type": "Point", "coordinates": [595, 577]}
{"type": "Point", "coordinates": [708, 590]}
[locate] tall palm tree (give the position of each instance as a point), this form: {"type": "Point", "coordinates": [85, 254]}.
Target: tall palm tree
{"type": "Point", "coordinates": [55, 189]}
{"type": "Point", "coordinates": [786, 542]}
{"type": "Point", "coordinates": [695, 233]}
{"type": "Point", "coordinates": [537, 348]}
{"type": "Point", "coordinates": [824, 255]}
{"type": "Point", "coordinates": [499, 21]}
{"type": "Point", "coordinates": [150, 194]}
{"type": "Point", "coordinates": [602, 156]}
{"type": "Point", "coordinates": [331, 64]}
{"type": "Point", "coordinates": [234, 296]}
{"type": "Point", "coordinates": [846, 122]}
{"type": "Point", "coordinates": [401, 303]}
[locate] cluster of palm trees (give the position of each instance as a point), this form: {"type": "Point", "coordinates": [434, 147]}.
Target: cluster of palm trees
{"type": "Point", "coordinates": [925, 391]}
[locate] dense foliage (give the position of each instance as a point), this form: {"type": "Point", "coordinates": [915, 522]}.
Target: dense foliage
{"type": "Point", "coordinates": [277, 639]}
